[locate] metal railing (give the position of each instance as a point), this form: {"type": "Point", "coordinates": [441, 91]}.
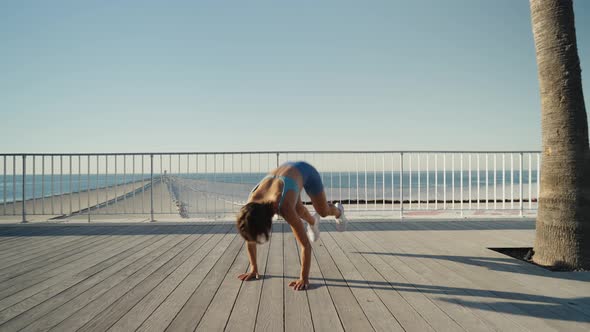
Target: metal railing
{"type": "Point", "coordinates": [215, 184]}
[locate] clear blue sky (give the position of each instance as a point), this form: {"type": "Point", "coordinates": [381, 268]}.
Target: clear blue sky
{"type": "Point", "coordinates": [121, 76]}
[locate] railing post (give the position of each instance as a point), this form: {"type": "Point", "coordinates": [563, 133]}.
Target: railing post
{"type": "Point", "coordinates": [24, 213]}
{"type": "Point", "coordinates": [401, 185]}
{"type": "Point", "coordinates": [88, 187]}
{"type": "Point", "coordinates": [278, 159]}
{"type": "Point", "coordinates": [520, 180]}
{"type": "Point", "coordinates": [152, 188]}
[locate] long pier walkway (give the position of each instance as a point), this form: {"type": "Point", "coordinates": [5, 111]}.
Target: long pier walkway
{"type": "Point", "coordinates": [381, 275]}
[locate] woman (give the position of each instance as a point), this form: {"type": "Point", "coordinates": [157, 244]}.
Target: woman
{"type": "Point", "coordinates": [279, 193]}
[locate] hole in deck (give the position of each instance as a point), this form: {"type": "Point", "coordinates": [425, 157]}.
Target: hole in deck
{"type": "Point", "coordinates": [526, 254]}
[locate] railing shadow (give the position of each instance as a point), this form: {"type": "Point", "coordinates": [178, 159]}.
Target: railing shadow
{"type": "Point", "coordinates": [507, 264]}
{"type": "Point", "coordinates": [24, 230]}
{"type": "Point", "coordinates": [113, 229]}
{"type": "Point", "coordinates": [514, 303]}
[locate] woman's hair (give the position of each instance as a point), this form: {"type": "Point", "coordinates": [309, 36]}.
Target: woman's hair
{"type": "Point", "coordinates": [255, 219]}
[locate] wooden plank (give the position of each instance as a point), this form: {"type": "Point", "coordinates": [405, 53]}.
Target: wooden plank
{"type": "Point", "coordinates": [29, 243]}
{"type": "Point", "coordinates": [34, 233]}
{"type": "Point", "coordinates": [453, 285]}
{"type": "Point", "coordinates": [377, 313]}
{"type": "Point", "coordinates": [59, 267]}
{"type": "Point", "coordinates": [18, 303]}
{"type": "Point", "coordinates": [167, 311]}
{"type": "Point", "coordinates": [460, 314]}
{"type": "Point", "coordinates": [351, 314]}
{"type": "Point", "coordinates": [408, 317]}
{"type": "Point", "coordinates": [478, 240]}
{"type": "Point", "coordinates": [524, 237]}
{"type": "Point", "coordinates": [323, 311]}
{"type": "Point", "coordinates": [30, 240]}
{"type": "Point", "coordinates": [16, 255]}
{"type": "Point", "coordinates": [486, 230]}
{"type": "Point", "coordinates": [569, 284]}
{"type": "Point", "coordinates": [117, 284]}
{"type": "Point", "coordinates": [49, 235]}
{"type": "Point", "coordinates": [493, 313]}
{"type": "Point", "coordinates": [160, 282]}
{"type": "Point", "coordinates": [270, 316]}
{"type": "Point", "coordinates": [492, 318]}
{"type": "Point", "coordinates": [21, 233]}
{"type": "Point", "coordinates": [243, 314]}
{"type": "Point", "coordinates": [535, 279]}
{"type": "Point", "coordinates": [533, 324]}
{"type": "Point", "coordinates": [159, 269]}
{"type": "Point", "coordinates": [444, 263]}
{"type": "Point", "coordinates": [28, 271]}
{"type": "Point", "coordinates": [96, 284]}
{"type": "Point", "coordinates": [395, 276]}
{"type": "Point", "coordinates": [19, 262]}
{"type": "Point", "coordinates": [46, 253]}
{"type": "Point", "coordinates": [61, 284]}
{"type": "Point", "coordinates": [513, 290]}
{"type": "Point", "coordinates": [297, 311]}
{"type": "Point", "coordinates": [222, 304]}
{"type": "Point", "coordinates": [191, 313]}
{"type": "Point", "coordinates": [163, 295]}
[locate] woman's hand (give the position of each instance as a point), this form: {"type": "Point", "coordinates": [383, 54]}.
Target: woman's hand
{"type": "Point", "coordinates": [249, 276]}
{"type": "Point", "coordinates": [299, 284]}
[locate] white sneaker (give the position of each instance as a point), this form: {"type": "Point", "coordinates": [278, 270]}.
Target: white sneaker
{"type": "Point", "coordinates": [340, 221]}
{"type": "Point", "coordinates": [313, 231]}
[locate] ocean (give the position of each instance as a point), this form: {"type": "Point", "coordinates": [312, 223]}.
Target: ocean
{"type": "Point", "coordinates": [338, 185]}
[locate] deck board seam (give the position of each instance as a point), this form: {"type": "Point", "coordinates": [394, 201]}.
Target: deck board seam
{"type": "Point", "coordinates": [306, 294]}
{"type": "Point", "coordinates": [140, 269]}
{"type": "Point", "coordinates": [533, 288]}
{"type": "Point", "coordinates": [218, 287]}
{"type": "Point", "coordinates": [174, 289]}
{"type": "Point", "coordinates": [327, 289]}
{"type": "Point", "coordinates": [438, 264]}
{"type": "Point", "coordinates": [156, 246]}
{"type": "Point", "coordinates": [411, 267]}
{"type": "Point", "coordinates": [344, 279]}
{"type": "Point", "coordinates": [384, 278]}
{"type": "Point", "coordinates": [368, 283]}
{"type": "Point", "coordinates": [76, 244]}
{"type": "Point", "coordinates": [263, 283]}
{"type": "Point", "coordinates": [413, 286]}
{"type": "Point", "coordinates": [189, 248]}
{"type": "Point", "coordinates": [229, 247]}
{"type": "Point", "coordinates": [102, 243]}
{"type": "Point", "coordinates": [77, 274]}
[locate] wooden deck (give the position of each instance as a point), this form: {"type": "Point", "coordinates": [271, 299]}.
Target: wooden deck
{"type": "Point", "coordinates": [381, 275]}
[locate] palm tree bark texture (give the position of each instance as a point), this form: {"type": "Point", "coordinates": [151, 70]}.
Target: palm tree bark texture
{"type": "Point", "coordinates": [563, 223]}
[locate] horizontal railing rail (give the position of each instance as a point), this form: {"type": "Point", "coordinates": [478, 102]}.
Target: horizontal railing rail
{"type": "Point", "coordinates": [215, 184]}
{"type": "Point", "coordinates": [258, 152]}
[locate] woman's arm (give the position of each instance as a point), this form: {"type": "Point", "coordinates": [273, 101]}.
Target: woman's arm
{"type": "Point", "coordinates": [251, 246]}
{"type": "Point", "coordinates": [294, 221]}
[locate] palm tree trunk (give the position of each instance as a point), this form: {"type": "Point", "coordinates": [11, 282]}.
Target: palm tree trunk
{"type": "Point", "coordinates": [563, 222]}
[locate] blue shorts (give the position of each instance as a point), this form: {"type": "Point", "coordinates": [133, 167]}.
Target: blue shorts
{"type": "Point", "coordinates": [312, 181]}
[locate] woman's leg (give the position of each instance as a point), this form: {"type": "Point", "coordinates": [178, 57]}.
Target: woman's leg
{"type": "Point", "coordinates": [304, 213]}
{"type": "Point", "coordinates": [315, 190]}
{"type": "Point", "coordinates": [322, 207]}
